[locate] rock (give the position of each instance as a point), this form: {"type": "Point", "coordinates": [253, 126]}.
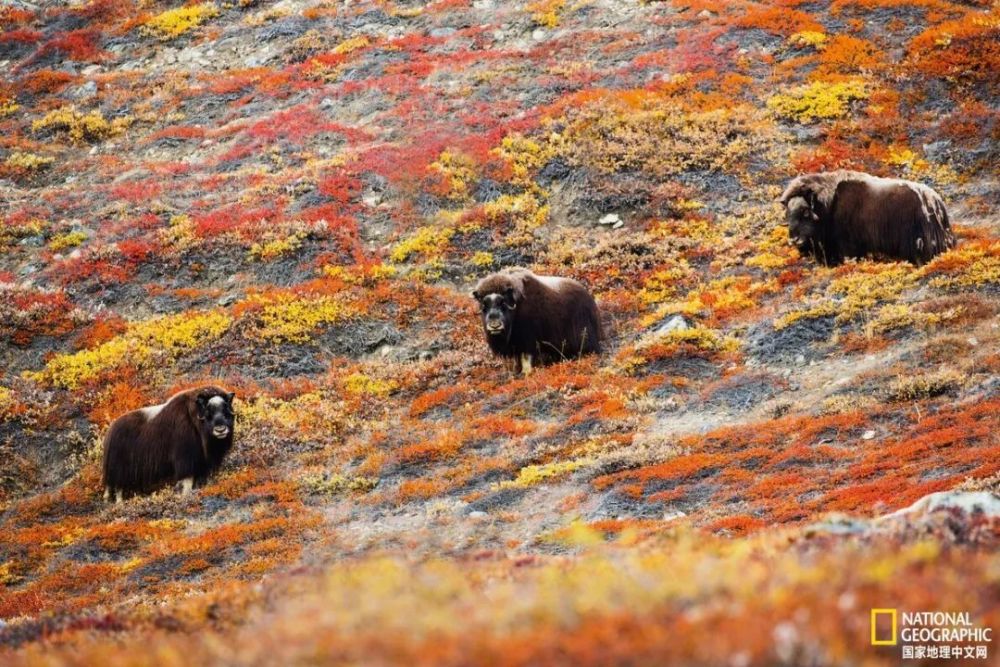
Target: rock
{"type": "Point", "coordinates": [837, 524]}
{"type": "Point", "coordinates": [868, 435]}
{"type": "Point", "coordinates": [800, 359]}
{"type": "Point", "coordinates": [937, 150]}
{"type": "Point", "coordinates": [964, 502]}
{"type": "Point", "coordinates": [442, 32]}
{"type": "Point", "coordinates": [483, 4]}
{"type": "Point", "coordinates": [478, 514]}
{"type": "Point", "coordinates": [675, 323]}
{"type": "Point", "coordinates": [610, 219]}
{"type": "Point", "coordinates": [538, 35]}
{"type": "Point", "coordinates": [226, 300]}
{"type": "Point", "coordinates": [86, 90]}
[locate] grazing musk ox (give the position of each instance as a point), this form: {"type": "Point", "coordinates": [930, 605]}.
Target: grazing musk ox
{"type": "Point", "coordinates": [537, 319]}
{"type": "Point", "coordinates": [840, 214]}
{"type": "Point", "coordinates": [182, 440]}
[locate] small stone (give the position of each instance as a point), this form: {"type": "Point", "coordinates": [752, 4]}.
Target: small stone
{"type": "Point", "coordinates": [538, 35]}
{"type": "Point", "coordinates": [973, 341]}
{"type": "Point", "coordinates": [868, 435]}
{"type": "Point", "coordinates": [477, 514]}
{"type": "Point", "coordinates": [937, 150]}
{"type": "Point", "coordinates": [618, 225]}
{"type": "Point", "coordinates": [609, 219]}
{"type": "Point", "coordinates": [226, 300]}
{"type": "Point", "coordinates": [800, 359]}
{"type": "Point", "coordinates": [675, 323]}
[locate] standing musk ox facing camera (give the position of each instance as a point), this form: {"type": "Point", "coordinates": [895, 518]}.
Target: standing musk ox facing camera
{"type": "Point", "coordinates": [183, 440]}
{"type": "Point", "coordinates": [537, 319]}
{"type": "Point", "coordinates": [840, 214]}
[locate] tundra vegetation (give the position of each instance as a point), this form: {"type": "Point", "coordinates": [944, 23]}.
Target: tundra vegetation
{"type": "Point", "coordinates": [293, 200]}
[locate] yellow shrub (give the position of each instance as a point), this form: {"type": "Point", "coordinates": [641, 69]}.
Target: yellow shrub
{"type": "Point", "coordinates": [180, 234]}
{"type": "Point", "coordinates": [175, 22]}
{"type": "Point", "coordinates": [67, 240]}
{"type": "Point", "coordinates": [531, 475]}
{"type": "Point", "coordinates": [8, 106]}
{"type": "Point", "coordinates": [458, 171]}
{"type": "Point", "coordinates": [277, 247]}
{"type": "Point", "coordinates": [525, 156]}
{"type": "Point", "coordinates": [10, 233]}
{"type": "Point", "coordinates": [360, 384]}
{"type": "Point", "coordinates": [524, 213]}
{"type": "Point", "coordinates": [291, 318]}
{"type": "Point", "coordinates": [80, 127]}
{"type": "Point", "coordinates": [336, 484]}
{"type": "Point", "coordinates": [352, 44]}
{"type": "Point", "coordinates": [360, 275]}
{"type": "Point", "coordinates": [662, 140]}
{"type": "Point", "coordinates": [895, 316]}
{"type": "Point", "coordinates": [27, 161]}
{"type": "Point", "coordinates": [482, 259]}
{"type": "Point", "coordinates": [818, 100]}
{"type": "Point", "coordinates": [7, 403]}
{"type": "Point", "coordinates": [856, 293]}
{"type": "Point", "coordinates": [428, 241]}
{"type": "Point", "coordinates": [662, 285]}
{"type": "Point", "coordinates": [142, 344]}
{"type": "Point", "coordinates": [811, 38]}
{"type": "Point", "coordinates": [546, 12]}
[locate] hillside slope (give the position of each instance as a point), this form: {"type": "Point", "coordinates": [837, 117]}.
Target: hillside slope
{"type": "Point", "coordinates": [294, 199]}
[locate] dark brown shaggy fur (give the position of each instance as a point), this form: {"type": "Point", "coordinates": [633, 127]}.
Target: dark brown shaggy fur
{"type": "Point", "coordinates": [542, 319]}
{"type": "Point", "coordinates": [841, 214]}
{"type": "Point", "coordinates": [149, 448]}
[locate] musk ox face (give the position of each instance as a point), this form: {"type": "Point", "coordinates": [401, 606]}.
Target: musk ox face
{"type": "Point", "coordinates": [215, 412]}
{"type": "Point", "coordinates": [803, 223]}
{"type": "Point", "coordinates": [498, 311]}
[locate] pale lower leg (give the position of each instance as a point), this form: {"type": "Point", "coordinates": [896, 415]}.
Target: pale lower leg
{"type": "Point", "coordinates": [526, 364]}
{"type": "Point", "coordinates": [118, 497]}
{"type": "Point", "coordinates": [186, 485]}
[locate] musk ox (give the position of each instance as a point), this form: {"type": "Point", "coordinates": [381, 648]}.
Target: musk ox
{"type": "Point", "coordinates": [182, 440]}
{"type": "Point", "coordinates": [537, 319]}
{"type": "Point", "coordinates": [840, 214]}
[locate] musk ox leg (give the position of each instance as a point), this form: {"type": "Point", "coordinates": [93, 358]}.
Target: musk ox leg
{"type": "Point", "coordinates": [526, 364]}
{"type": "Point", "coordinates": [186, 485]}
{"type": "Point", "coordinates": [107, 494]}
{"type": "Point", "coordinates": [119, 497]}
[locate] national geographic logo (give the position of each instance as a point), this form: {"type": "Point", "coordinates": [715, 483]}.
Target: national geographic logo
{"type": "Point", "coordinates": [931, 635]}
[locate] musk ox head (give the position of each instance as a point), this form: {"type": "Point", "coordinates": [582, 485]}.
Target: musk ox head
{"type": "Point", "coordinates": [803, 223]}
{"type": "Point", "coordinates": [498, 296]}
{"type": "Point", "coordinates": [215, 413]}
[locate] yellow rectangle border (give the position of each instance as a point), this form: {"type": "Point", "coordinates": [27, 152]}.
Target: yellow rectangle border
{"type": "Point", "coordinates": [884, 642]}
